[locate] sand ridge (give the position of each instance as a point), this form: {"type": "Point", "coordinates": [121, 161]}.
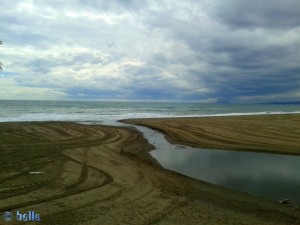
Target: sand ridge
{"type": "Point", "coordinates": [262, 133]}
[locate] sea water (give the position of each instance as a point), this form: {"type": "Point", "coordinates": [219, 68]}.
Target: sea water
{"type": "Point", "coordinates": [270, 176]}
{"type": "Point", "coordinates": [113, 111]}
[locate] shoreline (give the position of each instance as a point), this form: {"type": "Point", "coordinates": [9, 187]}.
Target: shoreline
{"type": "Point", "coordinates": [103, 174]}
{"type": "Point", "coordinates": [15, 120]}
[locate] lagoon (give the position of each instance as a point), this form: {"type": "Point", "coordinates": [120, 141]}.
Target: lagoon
{"type": "Point", "coordinates": [272, 176]}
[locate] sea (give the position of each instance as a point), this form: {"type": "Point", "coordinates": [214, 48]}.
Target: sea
{"type": "Point", "coordinates": [103, 111]}
{"type": "Point", "coordinates": [271, 176]}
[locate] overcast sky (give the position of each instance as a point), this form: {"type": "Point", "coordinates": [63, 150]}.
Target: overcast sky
{"type": "Point", "coordinates": [240, 51]}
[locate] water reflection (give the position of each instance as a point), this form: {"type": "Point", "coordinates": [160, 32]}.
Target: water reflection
{"type": "Point", "coordinates": [268, 175]}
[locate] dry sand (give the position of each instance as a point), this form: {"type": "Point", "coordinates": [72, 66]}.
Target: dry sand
{"type": "Point", "coordinates": [104, 175]}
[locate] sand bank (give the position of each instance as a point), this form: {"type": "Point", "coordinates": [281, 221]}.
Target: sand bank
{"type": "Point", "coordinates": [264, 133]}
{"type": "Point", "coordinates": [104, 175]}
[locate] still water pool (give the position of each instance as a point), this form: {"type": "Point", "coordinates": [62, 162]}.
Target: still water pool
{"type": "Point", "coordinates": [271, 176]}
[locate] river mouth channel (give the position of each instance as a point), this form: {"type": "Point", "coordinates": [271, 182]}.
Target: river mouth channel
{"type": "Point", "coordinates": [272, 176]}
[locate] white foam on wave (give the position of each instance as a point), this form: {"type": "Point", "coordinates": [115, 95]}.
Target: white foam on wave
{"type": "Point", "coordinates": [75, 117]}
{"type": "Point", "coordinates": [246, 114]}
{"type": "Point", "coordinates": [81, 117]}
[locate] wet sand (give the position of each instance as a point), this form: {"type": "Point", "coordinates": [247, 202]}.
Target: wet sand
{"type": "Point", "coordinates": [104, 175]}
{"type": "Point", "coordinates": [262, 133]}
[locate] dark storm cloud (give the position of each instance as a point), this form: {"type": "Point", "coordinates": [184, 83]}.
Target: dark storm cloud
{"type": "Point", "coordinates": [275, 14]}
{"type": "Point", "coordinates": [243, 46]}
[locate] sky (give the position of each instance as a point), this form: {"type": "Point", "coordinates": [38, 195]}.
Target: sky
{"type": "Point", "coordinates": [237, 51]}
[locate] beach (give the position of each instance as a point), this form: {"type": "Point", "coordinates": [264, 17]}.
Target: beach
{"type": "Point", "coordinates": [262, 133]}
{"type": "Point", "coordinates": [93, 174]}
{"type": "Point", "coordinates": [150, 112]}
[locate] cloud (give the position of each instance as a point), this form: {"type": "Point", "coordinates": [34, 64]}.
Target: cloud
{"type": "Point", "coordinates": [11, 90]}
{"type": "Point", "coordinates": [241, 51]}
{"type": "Point", "coordinates": [275, 14]}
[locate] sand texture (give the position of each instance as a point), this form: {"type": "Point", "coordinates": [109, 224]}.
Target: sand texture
{"type": "Point", "coordinates": [104, 175]}
{"type": "Point", "coordinates": [263, 133]}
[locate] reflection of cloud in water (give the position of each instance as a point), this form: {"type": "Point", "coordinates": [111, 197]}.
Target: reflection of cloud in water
{"type": "Point", "coordinates": [261, 174]}
{"type": "Point", "coordinates": [169, 159]}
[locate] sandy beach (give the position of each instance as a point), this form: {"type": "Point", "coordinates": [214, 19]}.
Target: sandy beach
{"type": "Point", "coordinates": [261, 133]}
{"type": "Point", "coordinates": [92, 174]}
